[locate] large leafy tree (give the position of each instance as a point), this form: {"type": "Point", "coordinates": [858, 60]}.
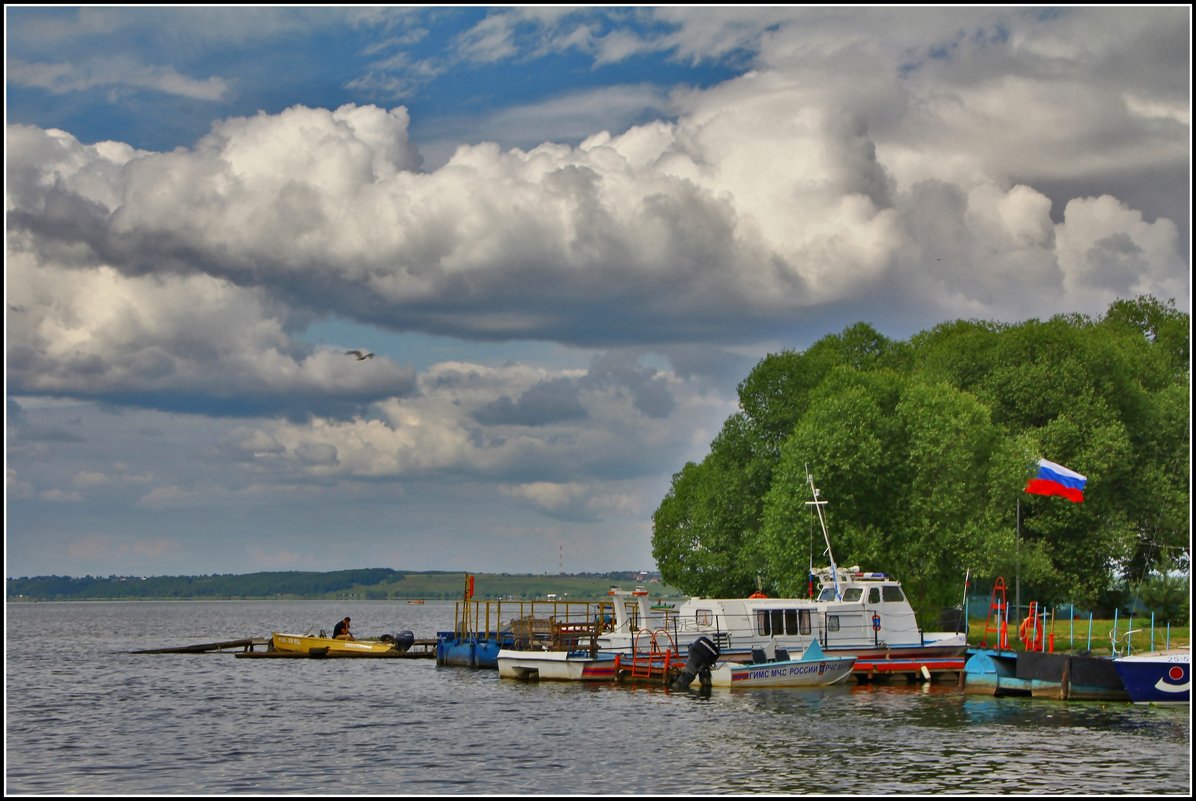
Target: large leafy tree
{"type": "Point", "coordinates": [923, 448]}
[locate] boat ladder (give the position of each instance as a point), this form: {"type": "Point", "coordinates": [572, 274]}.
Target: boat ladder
{"type": "Point", "coordinates": [654, 662]}
{"type": "Point", "coordinates": [997, 624]}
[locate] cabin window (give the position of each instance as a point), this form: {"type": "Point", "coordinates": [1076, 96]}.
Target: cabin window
{"type": "Point", "coordinates": [791, 621]}
{"type": "Point", "coordinates": [762, 622]}
{"type": "Point", "coordinates": [803, 621]}
{"type": "Point", "coordinates": [827, 594]}
{"type": "Point", "coordinates": [704, 617]}
{"type": "Point", "coordinates": [874, 595]}
{"type": "Point", "coordinates": [891, 592]}
{"type": "Point", "coordinates": [778, 621]}
{"type": "Point", "coordinates": [832, 622]}
{"type": "Point", "coordinates": [853, 594]}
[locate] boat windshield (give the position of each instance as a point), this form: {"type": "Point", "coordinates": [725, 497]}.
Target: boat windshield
{"type": "Point", "coordinates": [853, 594]}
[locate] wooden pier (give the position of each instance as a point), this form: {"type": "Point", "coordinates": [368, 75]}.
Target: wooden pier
{"type": "Point", "coordinates": [246, 644]}
{"type": "Point", "coordinates": [248, 648]}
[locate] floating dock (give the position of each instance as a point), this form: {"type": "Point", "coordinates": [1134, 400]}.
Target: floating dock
{"type": "Point", "coordinates": [1059, 676]}
{"type": "Point", "coordinates": [246, 644]}
{"type": "Point", "coordinates": [248, 648]}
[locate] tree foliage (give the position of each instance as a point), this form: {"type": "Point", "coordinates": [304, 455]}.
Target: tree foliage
{"type": "Point", "coordinates": [923, 448]}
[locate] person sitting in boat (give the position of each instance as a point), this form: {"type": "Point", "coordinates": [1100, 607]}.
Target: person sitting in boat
{"type": "Point", "coordinates": [341, 631]}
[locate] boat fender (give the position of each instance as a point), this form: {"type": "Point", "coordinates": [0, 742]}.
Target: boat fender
{"type": "Point", "coordinates": [702, 654]}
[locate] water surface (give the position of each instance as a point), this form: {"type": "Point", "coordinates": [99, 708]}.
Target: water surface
{"type": "Point", "coordinates": [86, 716]}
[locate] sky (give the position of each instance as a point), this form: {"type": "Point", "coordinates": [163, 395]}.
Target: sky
{"type": "Point", "coordinates": [566, 235]}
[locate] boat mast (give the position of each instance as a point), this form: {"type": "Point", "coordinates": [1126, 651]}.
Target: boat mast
{"type": "Point", "coordinates": [818, 504]}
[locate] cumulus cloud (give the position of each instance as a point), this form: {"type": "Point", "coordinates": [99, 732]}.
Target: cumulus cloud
{"type": "Point", "coordinates": [994, 163]}
{"type": "Point", "coordinates": [453, 426]}
{"type": "Point", "coordinates": [845, 177]}
{"type": "Point", "coordinates": [187, 342]}
{"type": "Point", "coordinates": [768, 197]}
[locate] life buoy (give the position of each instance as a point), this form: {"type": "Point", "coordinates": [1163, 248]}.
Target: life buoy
{"type": "Point", "coordinates": [1030, 633]}
{"type": "Point", "coordinates": [875, 621]}
{"type": "Point", "coordinates": [757, 594]}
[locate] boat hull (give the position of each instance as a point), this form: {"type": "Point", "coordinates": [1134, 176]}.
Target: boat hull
{"type": "Point", "coordinates": [1065, 677]}
{"type": "Point", "coordinates": [1157, 678]}
{"type": "Point", "coordinates": [943, 655]}
{"type": "Point", "coordinates": [790, 673]}
{"type": "Point", "coordinates": [304, 644]}
{"type": "Point", "coordinates": [555, 666]}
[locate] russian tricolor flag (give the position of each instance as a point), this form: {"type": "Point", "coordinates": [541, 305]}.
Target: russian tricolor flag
{"type": "Point", "coordinates": [1055, 479]}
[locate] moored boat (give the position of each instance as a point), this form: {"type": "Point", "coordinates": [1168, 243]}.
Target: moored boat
{"type": "Point", "coordinates": [309, 644]}
{"type": "Point", "coordinates": [812, 669]}
{"type": "Point", "coordinates": [856, 613]}
{"type": "Point", "coordinates": [556, 665]}
{"type": "Point", "coordinates": [1157, 677]}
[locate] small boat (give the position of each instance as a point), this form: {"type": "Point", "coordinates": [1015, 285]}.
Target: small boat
{"type": "Point", "coordinates": [1157, 677]}
{"type": "Point", "coordinates": [556, 665]}
{"type": "Point", "coordinates": [320, 646]}
{"type": "Point", "coordinates": [813, 669]}
{"type": "Point", "coordinates": [416, 601]}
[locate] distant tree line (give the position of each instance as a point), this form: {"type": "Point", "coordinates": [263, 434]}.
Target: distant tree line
{"type": "Point", "coordinates": [371, 584]}
{"type": "Point", "coordinates": [922, 450]}
{"type": "Point", "coordinates": [250, 585]}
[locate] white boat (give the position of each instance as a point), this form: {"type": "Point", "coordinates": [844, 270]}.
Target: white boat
{"type": "Point", "coordinates": [856, 613]}
{"type": "Point", "coordinates": [556, 665]}
{"type": "Point", "coordinates": [812, 669]}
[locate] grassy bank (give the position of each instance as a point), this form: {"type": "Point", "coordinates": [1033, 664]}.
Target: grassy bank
{"type": "Point", "coordinates": [1077, 635]}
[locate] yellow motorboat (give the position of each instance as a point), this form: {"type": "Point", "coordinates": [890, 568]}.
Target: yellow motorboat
{"type": "Point", "coordinates": [312, 645]}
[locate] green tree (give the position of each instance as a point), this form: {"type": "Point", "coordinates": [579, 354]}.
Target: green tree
{"type": "Point", "coordinates": [924, 449]}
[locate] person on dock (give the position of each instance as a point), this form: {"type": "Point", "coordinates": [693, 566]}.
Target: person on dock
{"type": "Point", "coordinates": [341, 631]}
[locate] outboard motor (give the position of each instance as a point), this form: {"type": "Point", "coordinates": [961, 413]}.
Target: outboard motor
{"type": "Point", "coordinates": [403, 641]}
{"type": "Point", "coordinates": [702, 654]}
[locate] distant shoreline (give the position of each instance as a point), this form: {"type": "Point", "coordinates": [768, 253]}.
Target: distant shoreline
{"type": "Point", "coordinates": [369, 584]}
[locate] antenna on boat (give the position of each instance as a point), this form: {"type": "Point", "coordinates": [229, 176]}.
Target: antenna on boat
{"type": "Point", "coordinates": [818, 504]}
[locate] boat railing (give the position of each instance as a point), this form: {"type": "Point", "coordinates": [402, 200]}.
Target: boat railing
{"type": "Point", "coordinates": [1128, 648]}
{"type": "Point", "coordinates": [508, 619]}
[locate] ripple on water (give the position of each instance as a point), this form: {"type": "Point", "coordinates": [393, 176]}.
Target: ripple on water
{"type": "Point", "coordinates": [97, 721]}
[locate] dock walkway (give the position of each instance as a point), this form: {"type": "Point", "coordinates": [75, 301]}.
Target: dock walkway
{"type": "Point", "coordinates": [248, 648]}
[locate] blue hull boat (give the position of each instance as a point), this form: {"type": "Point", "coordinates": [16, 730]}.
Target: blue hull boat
{"type": "Point", "coordinates": [1160, 677]}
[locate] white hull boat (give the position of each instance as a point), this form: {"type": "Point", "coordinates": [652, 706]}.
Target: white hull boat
{"type": "Point", "coordinates": [813, 669]}
{"type": "Point", "coordinates": [855, 613]}
{"type": "Point", "coordinates": [556, 665]}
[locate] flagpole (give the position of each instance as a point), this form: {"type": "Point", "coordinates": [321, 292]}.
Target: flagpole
{"type": "Point", "coordinates": [1017, 561]}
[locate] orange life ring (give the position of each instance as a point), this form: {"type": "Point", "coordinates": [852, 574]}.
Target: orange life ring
{"type": "Point", "coordinates": [757, 594]}
{"type": "Point", "coordinates": [1030, 633]}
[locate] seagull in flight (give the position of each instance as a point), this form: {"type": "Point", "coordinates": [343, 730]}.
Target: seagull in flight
{"type": "Point", "coordinates": [361, 355]}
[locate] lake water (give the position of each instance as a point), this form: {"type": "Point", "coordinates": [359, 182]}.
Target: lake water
{"type": "Point", "coordinates": [85, 716]}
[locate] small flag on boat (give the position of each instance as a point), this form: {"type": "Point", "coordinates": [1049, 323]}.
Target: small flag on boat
{"type": "Point", "coordinates": [1055, 479]}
